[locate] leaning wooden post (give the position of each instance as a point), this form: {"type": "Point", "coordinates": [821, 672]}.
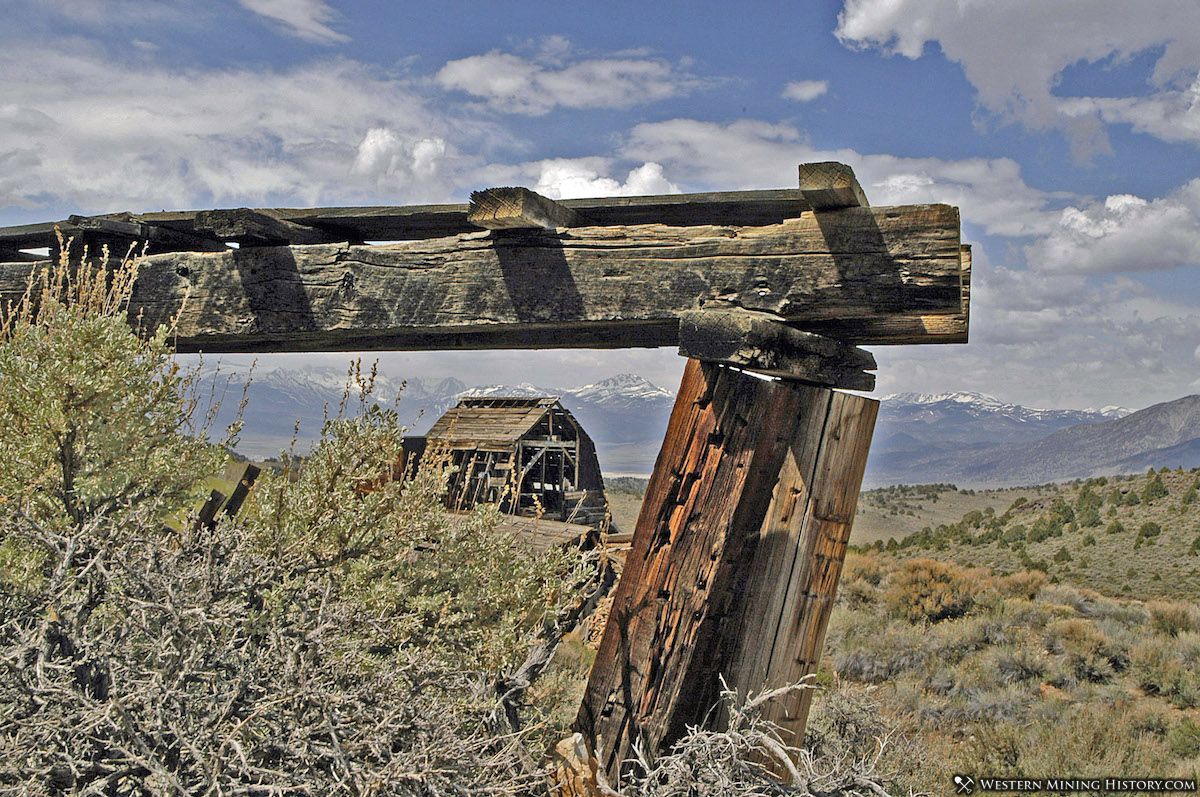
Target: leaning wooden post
{"type": "Point", "coordinates": [739, 545]}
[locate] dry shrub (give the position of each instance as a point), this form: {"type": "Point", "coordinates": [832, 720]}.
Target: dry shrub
{"type": "Point", "coordinates": [862, 567]}
{"type": "Point", "coordinates": [1082, 740]}
{"type": "Point", "coordinates": [925, 590]}
{"type": "Point", "coordinates": [851, 750]}
{"type": "Point", "coordinates": [1017, 665]}
{"type": "Point", "coordinates": [874, 655]}
{"type": "Point", "coordinates": [1158, 670]}
{"type": "Point", "coordinates": [1172, 619]}
{"type": "Point", "coordinates": [1022, 584]}
{"type": "Point", "coordinates": [325, 641]}
{"type": "Point", "coordinates": [1090, 654]}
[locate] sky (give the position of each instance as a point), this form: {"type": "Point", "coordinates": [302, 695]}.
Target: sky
{"type": "Point", "coordinates": [1068, 133]}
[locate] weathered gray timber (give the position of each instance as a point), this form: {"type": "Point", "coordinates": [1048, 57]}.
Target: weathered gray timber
{"type": "Point", "coordinates": [830, 185]}
{"type": "Point", "coordinates": [250, 227]}
{"type": "Point", "coordinates": [860, 275]}
{"type": "Point", "coordinates": [519, 209]}
{"type": "Point", "coordinates": [414, 222]}
{"type": "Point", "coordinates": [761, 343]}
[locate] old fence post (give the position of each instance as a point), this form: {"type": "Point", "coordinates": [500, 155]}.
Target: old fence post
{"type": "Point", "coordinates": [735, 558]}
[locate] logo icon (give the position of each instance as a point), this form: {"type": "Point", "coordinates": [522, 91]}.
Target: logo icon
{"type": "Point", "coordinates": [965, 784]}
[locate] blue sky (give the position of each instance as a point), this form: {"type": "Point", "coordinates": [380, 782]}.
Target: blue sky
{"type": "Point", "coordinates": [1067, 132]}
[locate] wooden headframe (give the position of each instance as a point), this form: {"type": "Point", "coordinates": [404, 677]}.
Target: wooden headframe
{"type": "Point", "coordinates": [738, 548]}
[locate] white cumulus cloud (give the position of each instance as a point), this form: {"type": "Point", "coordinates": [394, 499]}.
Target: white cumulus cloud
{"type": "Point", "coordinates": [571, 179]}
{"type": "Point", "coordinates": [304, 19]}
{"type": "Point", "coordinates": [805, 90]}
{"type": "Point", "coordinates": [534, 86]}
{"type": "Point", "coordinates": [1014, 52]}
{"type": "Point", "coordinates": [94, 134]}
{"type": "Point", "coordinates": [1124, 233]}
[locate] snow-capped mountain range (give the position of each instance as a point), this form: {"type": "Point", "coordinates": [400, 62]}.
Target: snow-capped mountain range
{"type": "Point", "coordinates": [962, 437]}
{"type": "Point", "coordinates": [981, 403]}
{"type": "Point", "coordinates": [625, 414]}
{"type": "Point", "coordinates": [976, 439]}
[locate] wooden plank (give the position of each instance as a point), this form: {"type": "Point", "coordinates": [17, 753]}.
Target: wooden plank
{"type": "Point", "coordinates": [848, 275]}
{"type": "Point", "coordinates": [734, 560]}
{"type": "Point", "coordinates": [822, 186]}
{"type": "Point", "coordinates": [121, 232]}
{"type": "Point", "coordinates": [797, 564]}
{"type": "Point", "coordinates": [704, 505]}
{"type": "Point", "coordinates": [761, 343]}
{"type": "Point", "coordinates": [518, 208]}
{"type": "Point", "coordinates": [416, 222]}
{"type": "Point", "coordinates": [17, 256]}
{"type": "Point", "coordinates": [28, 236]}
{"type": "Point", "coordinates": [830, 186]}
{"type": "Point", "coordinates": [257, 227]}
{"type": "Point", "coordinates": [242, 476]}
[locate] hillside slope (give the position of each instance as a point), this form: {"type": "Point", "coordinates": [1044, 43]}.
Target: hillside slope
{"type": "Point", "coordinates": [1120, 536]}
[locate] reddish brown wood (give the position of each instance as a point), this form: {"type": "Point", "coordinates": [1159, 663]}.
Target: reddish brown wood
{"type": "Point", "coordinates": [735, 556]}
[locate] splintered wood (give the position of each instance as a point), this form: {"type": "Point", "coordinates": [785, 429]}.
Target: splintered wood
{"type": "Point", "coordinates": [735, 558]}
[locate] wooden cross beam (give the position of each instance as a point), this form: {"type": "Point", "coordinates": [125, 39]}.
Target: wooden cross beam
{"type": "Point", "coordinates": [517, 209]}
{"type": "Point", "coordinates": [861, 275]}
{"type": "Point", "coordinates": [764, 344]}
{"type": "Point", "coordinates": [249, 227]}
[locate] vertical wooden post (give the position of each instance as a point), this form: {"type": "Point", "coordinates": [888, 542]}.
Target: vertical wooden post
{"type": "Point", "coordinates": [734, 561]}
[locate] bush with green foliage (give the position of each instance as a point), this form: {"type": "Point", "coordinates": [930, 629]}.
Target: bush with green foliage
{"type": "Point", "coordinates": [329, 639]}
{"type": "Point", "coordinates": [1154, 488]}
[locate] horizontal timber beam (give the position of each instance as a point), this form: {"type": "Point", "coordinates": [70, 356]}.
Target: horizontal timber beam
{"type": "Point", "coordinates": [416, 222]}
{"type": "Point", "coordinates": [517, 209]}
{"type": "Point", "coordinates": [830, 186]}
{"type": "Point", "coordinates": [758, 342]}
{"type": "Point", "coordinates": [250, 227]}
{"type": "Point", "coordinates": [861, 275]}
{"type": "Point", "coordinates": [822, 187]}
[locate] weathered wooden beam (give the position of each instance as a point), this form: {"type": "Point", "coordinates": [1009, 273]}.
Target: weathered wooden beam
{"type": "Point", "coordinates": [415, 222]}
{"type": "Point", "coordinates": [28, 236]}
{"type": "Point", "coordinates": [849, 274]}
{"type": "Point", "coordinates": [823, 186]}
{"type": "Point", "coordinates": [121, 231]}
{"type": "Point", "coordinates": [764, 344]}
{"type": "Point", "coordinates": [257, 227]}
{"type": "Point", "coordinates": [518, 208]}
{"type": "Point", "coordinates": [734, 560]}
{"type": "Point", "coordinates": [830, 186]}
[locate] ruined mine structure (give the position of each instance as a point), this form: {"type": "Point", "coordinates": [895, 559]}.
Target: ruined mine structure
{"type": "Point", "coordinates": [736, 555]}
{"type": "Point", "coordinates": [527, 453]}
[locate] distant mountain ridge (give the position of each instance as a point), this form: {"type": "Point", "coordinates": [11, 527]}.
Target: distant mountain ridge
{"type": "Point", "coordinates": [625, 414]}
{"type": "Point", "coordinates": [970, 439]}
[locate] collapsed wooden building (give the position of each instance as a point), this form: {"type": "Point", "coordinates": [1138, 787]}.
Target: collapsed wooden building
{"type": "Point", "coordinates": [738, 549]}
{"type": "Point", "coordinates": [527, 454]}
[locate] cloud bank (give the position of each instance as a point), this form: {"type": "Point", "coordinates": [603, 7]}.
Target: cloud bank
{"type": "Point", "coordinates": [1015, 51]}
